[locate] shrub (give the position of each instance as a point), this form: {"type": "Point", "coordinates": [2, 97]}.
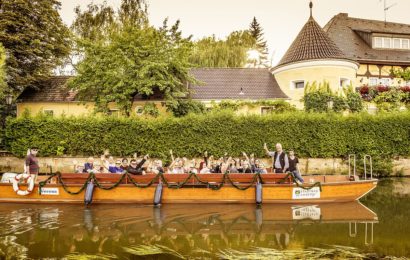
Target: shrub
{"type": "Point", "coordinates": [183, 107]}
{"type": "Point", "coordinates": [339, 104]}
{"type": "Point", "coordinates": [309, 134]}
{"type": "Point", "coordinates": [389, 100]}
{"type": "Point", "coordinates": [150, 109]}
{"type": "Point", "coordinates": [354, 102]}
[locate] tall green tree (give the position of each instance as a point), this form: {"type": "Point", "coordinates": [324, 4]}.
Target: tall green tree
{"type": "Point", "coordinates": [128, 57]}
{"type": "Point", "coordinates": [228, 53]}
{"type": "Point", "coordinates": [260, 45]}
{"type": "Point", "coordinates": [35, 38]}
{"type": "Point", "coordinates": [3, 83]}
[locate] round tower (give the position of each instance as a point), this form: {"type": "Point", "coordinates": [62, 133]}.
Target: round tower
{"type": "Point", "coordinates": [313, 56]}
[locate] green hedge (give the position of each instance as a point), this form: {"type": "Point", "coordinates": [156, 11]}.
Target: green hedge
{"type": "Point", "coordinates": [309, 134]}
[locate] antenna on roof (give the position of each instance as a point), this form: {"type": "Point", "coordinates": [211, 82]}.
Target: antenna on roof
{"type": "Point", "coordinates": [386, 8]}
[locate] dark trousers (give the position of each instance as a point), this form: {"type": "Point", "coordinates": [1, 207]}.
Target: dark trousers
{"type": "Point", "coordinates": [278, 170]}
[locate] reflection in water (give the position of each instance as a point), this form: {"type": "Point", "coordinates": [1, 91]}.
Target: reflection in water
{"type": "Point", "coordinates": [220, 230]}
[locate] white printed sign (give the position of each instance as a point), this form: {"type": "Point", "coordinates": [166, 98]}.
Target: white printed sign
{"type": "Point", "coordinates": [300, 194]}
{"type": "Point", "coordinates": [50, 191]}
{"type": "Point", "coordinates": [306, 212]}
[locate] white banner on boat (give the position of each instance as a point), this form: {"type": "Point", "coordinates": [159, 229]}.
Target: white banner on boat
{"type": "Point", "coordinates": [306, 212]}
{"type": "Point", "coordinates": [50, 191]}
{"type": "Point", "coordinates": [300, 194]}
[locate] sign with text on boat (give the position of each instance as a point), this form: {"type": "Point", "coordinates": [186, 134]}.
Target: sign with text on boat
{"type": "Point", "coordinates": [300, 193]}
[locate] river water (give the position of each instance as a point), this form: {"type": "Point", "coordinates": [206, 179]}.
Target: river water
{"type": "Point", "coordinates": [377, 227]}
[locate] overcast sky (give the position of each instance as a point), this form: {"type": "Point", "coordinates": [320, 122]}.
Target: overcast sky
{"type": "Point", "coordinates": [280, 19]}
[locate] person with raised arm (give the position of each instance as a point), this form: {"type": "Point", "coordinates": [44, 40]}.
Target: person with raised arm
{"type": "Point", "coordinates": [280, 158]}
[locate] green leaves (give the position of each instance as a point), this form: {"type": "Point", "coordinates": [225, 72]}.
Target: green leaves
{"type": "Point", "coordinates": [309, 134]}
{"type": "Point", "coordinates": [132, 61]}
{"type": "Point", "coordinates": [35, 39]}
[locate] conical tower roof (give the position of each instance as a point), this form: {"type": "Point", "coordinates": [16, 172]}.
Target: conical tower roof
{"type": "Point", "coordinates": [312, 43]}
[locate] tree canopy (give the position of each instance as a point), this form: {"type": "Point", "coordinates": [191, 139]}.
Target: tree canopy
{"type": "Point", "coordinates": [129, 57]}
{"type": "Point", "coordinates": [35, 38]}
{"type": "Point", "coordinates": [3, 84]}
{"type": "Point", "coordinates": [228, 53]}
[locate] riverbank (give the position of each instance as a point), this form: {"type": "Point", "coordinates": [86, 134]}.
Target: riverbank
{"type": "Point", "coordinates": [401, 166]}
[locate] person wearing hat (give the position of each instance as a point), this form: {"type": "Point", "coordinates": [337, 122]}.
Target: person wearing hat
{"type": "Point", "coordinates": [32, 166]}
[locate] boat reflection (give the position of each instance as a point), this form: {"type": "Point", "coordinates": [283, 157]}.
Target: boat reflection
{"type": "Point", "coordinates": [184, 228]}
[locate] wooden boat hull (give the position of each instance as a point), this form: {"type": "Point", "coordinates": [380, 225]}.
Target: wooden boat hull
{"type": "Point", "coordinates": [334, 189]}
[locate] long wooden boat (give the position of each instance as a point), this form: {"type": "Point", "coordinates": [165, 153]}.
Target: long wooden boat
{"type": "Point", "coordinates": [190, 188]}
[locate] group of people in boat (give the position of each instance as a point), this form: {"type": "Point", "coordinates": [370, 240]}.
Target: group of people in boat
{"type": "Point", "coordinates": [282, 163]}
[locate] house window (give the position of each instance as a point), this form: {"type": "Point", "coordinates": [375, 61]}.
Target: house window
{"type": "Point", "coordinates": [385, 81]}
{"type": "Point", "coordinates": [139, 110]}
{"type": "Point", "coordinates": [378, 43]}
{"type": "Point", "coordinates": [344, 82]}
{"type": "Point", "coordinates": [266, 110]}
{"type": "Point", "coordinates": [48, 112]}
{"type": "Point", "coordinates": [298, 84]}
{"type": "Point", "coordinates": [114, 112]}
{"type": "Point", "coordinates": [405, 43]}
{"type": "Point", "coordinates": [396, 43]}
{"type": "Point", "coordinates": [373, 81]}
{"type": "Point", "coordinates": [387, 43]}
{"type": "Point", "coordinates": [391, 43]}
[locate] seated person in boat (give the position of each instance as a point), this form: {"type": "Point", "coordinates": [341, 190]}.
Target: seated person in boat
{"type": "Point", "coordinates": [294, 166]}
{"type": "Point", "coordinates": [229, 166]}
{"type": "Point", "coordinates": [258, 167]}
{"type": "Point", "coordinates": [246, 167]}
{"type": "Point", "coordinates": [280, 158]}
{"type": "Point", "coordinates": [124, 164]}
{"type": "Point", "coordinates": [205, 166]}
{"type": "Point", "coordinates": [155, 167]}
{"type": "Point", "coordinates": [116, 168]}
{"type": "Point", "coordinates": [190, 166]}
{"type": "Point", "coordinates": [89, 165]}
{"type": "Point", "coordinates": [177, 165]}
{"type": "Point", "coordinates": [107, 163]}
{"type": "Point", "coordinates": [136, 167]}
{"type": "Point", "coordinates": [78, 168]}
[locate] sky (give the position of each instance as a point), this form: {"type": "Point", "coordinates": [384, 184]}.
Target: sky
{"type": "Point", "coordinates": [281, 20]}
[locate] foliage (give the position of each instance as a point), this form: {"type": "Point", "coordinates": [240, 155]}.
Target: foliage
{"type": "Point", "coordinates": [133, 61]}
{"type": "Point", "coordinates": [35, 38]}
{"type": "Point", "coordinates": [339, 104]}
{"type": "Point", "coordinates": [98, 21]}
{"type": "Point", "coordinates": [389, 101]}
{"type": "Point", "coordinates": [310, 134]}
{"type": "Point", "coordinates": [3, 84]}
{"type": "Point", "coordinates": [278, 106]}
{"type": "Point", "coordinates": [229, 53]}
{"type": "Point", "coordinates": [150, 109]}
{"type": "Point", "coordinates": [260, 45]}
{"type": "Point", "coordinates": [354, 102]}
{"type": "Point", "coordinates": [320, 98]}
{"type": "Point", "coordinates": [317, 97]}
{"type": "Point", "coordinates": [183, 107]}
{"type": "Point", "coordinates": [402, 73]}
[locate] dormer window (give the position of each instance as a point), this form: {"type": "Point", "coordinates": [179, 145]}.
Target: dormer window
{"type": "Point", "coordinates": [391, 43]}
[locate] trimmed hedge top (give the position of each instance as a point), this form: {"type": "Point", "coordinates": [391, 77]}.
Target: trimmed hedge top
{"type": "Point", "coordinates": [309, 134]}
